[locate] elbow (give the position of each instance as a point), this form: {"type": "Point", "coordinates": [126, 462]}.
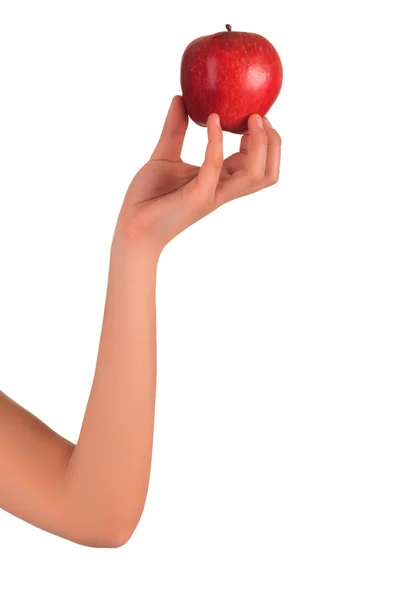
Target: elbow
{"type": "Point", "coordinates": [115, 537]}
{"type": "Point", "coordinates": [113, 532]}
{"type": "Point", "coordinates": [107, 536]}
{"type": "Point", "coordinates": [105, 526]}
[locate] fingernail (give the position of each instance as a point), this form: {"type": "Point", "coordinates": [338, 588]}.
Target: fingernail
{"type": "Point", "coordinates": [267, 122]}
{"type": "Point", "coordinates": [260, 121]}
{"type": "Point", "coordinates": [217, 121]}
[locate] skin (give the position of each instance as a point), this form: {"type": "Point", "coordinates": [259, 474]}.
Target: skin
{"type": "Point", "coordinates": [93, 492]}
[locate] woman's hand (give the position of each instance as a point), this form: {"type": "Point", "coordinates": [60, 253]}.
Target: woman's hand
{"type": "Point", "coordinates": [93, 492]}
{"type": "Point", "coordinates": [167, 195]}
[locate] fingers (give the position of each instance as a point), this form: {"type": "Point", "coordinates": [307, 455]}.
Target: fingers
{"type": "Point", "coordinates": [209, 173]}
{"type": "Point", "coordinates": [274, 155]}
{"type": "Point", "coordinates": [170, 144]}
{"type": "Point", "coordinates": [257, 154]}
{"type": "Point", "coordinates": [261, 149]}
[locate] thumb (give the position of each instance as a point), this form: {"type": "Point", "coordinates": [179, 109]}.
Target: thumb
{"type": "Point", "coordinates": [170, 144]}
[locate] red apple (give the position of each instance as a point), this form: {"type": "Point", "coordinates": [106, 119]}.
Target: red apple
{"type": "Point", "coordinates": [232, 73]}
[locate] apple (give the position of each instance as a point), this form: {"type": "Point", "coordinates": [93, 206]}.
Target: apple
{"type": "Point", "coordinates": [232, 73]}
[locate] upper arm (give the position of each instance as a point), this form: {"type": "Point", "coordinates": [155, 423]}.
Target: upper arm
{"type": "Point", "coordinates": [32, 462]}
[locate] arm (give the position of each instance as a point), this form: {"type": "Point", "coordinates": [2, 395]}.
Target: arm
{"type": "Point", "coordinates": [110, 466]}
{"type": "Point", "coordinates": [94, 492]}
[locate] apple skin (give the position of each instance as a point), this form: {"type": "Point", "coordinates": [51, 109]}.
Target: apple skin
{"type": "Point", "coordinates": [232, 73]}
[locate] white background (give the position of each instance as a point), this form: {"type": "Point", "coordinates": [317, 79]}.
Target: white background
{"type": "Point", "coordinates": [277, 452]}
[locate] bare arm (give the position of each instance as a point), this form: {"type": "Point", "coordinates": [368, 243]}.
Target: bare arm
{"type": "Point", "coordinates": [94, 492]}
{"type": "Point", "coordinates": [110, 466]}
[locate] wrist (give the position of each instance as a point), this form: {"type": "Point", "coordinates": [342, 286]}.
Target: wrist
{"type": "Point", "coordinates": [138, 250]}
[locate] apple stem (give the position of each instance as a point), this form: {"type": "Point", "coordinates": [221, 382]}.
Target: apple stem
{"type": "Point", "coordinates": [228, 27]}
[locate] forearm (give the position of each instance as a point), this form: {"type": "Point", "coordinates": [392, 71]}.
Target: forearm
{"type": "Point", "coordinates": [108, 471]}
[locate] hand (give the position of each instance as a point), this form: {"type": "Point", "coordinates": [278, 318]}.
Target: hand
{"type": "Point", "coordinates": [167, 195]}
